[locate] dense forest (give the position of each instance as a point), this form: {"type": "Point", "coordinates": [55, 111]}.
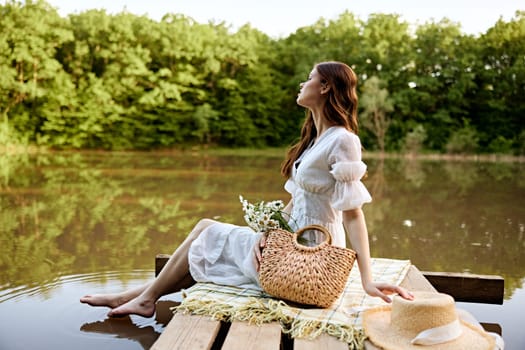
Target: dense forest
{"type": "Point", "coordinates": [95, 80]}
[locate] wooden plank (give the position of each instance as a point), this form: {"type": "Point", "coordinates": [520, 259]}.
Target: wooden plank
{"type": "Point", "coordinates": [415, 281]}
{"type": "Point", "coordinates": [463, 287]}
{"type": "Point", "coordinates": [245, 336]}
{"type": "Point", "coordinates": [188, 332]}
{"type": "Point", "coordinates": [370, 346]}
{"type": "Point", "coordinates": [487, 289]}
{"type": "Point", "coordinates": [492, 327]}
{"type": "Point", "coordinates": [324, 341]}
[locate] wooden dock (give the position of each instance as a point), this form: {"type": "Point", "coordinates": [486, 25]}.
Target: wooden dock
{"type": "Point", "coordinates": [191, 332]}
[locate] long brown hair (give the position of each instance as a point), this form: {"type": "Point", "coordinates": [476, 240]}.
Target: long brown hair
{"type": "Point", "coordinates": [340, 108]}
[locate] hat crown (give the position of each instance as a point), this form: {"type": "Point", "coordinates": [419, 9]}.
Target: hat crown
{"type": "Point", "coordinates": [428, 322]}
{"type": "Point", "coordinates": [427, 310]}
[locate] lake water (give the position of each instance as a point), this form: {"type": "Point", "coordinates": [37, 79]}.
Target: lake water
{"type": "Point", "coordinates": [77, 223]}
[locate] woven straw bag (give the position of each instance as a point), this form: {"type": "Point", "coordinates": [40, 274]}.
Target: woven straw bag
{"type": "Point", "coordinates": [306, 275]}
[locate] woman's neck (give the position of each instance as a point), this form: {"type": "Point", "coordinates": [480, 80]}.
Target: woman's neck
{"type": "Point", "coordinates": [321, 125]}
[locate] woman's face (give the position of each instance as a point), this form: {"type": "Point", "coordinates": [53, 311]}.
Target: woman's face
{"type": "Point", "coordinates": [310, 94]}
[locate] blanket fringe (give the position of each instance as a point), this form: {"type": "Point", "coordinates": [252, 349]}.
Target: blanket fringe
{"type": "Point", "coordinates": [255, 312]}
{"type": "Point", "coordinates": [259, 311]}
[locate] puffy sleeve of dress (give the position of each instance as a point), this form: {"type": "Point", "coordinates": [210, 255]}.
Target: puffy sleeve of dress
{"type": "Point", "coordinates": [290, 186]}
{"type": "Point", "coordinates": [347, 168]}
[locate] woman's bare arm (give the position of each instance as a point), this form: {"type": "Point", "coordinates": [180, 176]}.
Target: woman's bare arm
{"type": "Point", "coordinates": [355, 226]}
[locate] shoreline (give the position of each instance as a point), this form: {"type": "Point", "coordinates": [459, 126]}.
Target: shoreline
{"type": "Point", "coordinates": [267, 151]}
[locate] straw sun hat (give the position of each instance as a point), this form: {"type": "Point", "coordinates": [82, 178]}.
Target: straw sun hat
{"type": "Point", "coordinates": [429, 321]}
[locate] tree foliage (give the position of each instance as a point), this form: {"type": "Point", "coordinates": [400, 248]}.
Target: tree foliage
{"type": "Point", "coordinates": [376, 108]}
{"type": "Point", "coordinates": [121, 81]}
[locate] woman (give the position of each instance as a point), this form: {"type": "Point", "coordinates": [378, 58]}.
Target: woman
{"type": "Point", "coordinates": [323, 169]}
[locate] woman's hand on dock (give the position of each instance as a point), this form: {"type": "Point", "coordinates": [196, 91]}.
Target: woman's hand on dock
{"type": "Point", "coordinates": [383, 290]}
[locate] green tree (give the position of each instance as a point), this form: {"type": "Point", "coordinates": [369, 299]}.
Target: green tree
{"type": "Point", "coordinates": [497, 102]}
{"type": "Point", "coordinates": [95, 80]}
{"type": "Point", "coordinates": [31, 77]}
{"type": "Point", "coordinates": [463, 140]}
{"type": "Point", "coordinates": [414, 140]}
{"type": "Point", "coordinates": [110, 72]}
{"type": "Point", "coordinates": [383, 50]}
{"type": "Point", "coordinates": [376, 108]}
{"type": "Point", "coordinates": [437, 80]}
{"type": "Point", "coordinates": [385, 46]}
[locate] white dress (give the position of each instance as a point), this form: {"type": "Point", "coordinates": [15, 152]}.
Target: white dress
{"type": "Point", "coordinates": [326, 179]}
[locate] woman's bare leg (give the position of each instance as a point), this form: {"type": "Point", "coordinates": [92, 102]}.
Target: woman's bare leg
{"type": "Point", "coordinates": [114, 300]}
{"type": "Point", "coordinates": [174, 276]}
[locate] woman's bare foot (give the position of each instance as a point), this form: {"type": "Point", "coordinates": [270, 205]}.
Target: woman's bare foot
{"type": "Point", "coordinates": [109, 300]}
{"type": "Point", "coordinates": [138, 306]}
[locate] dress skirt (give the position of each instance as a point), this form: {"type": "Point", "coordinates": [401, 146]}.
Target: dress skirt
{"type": "Point", "coordinates": [223, 254]}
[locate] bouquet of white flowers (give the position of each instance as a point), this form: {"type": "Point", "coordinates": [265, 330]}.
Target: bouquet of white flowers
{"type": "Point", "coordinates": [264, 216]}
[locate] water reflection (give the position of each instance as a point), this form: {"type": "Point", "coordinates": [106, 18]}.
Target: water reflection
{"type": "Point", "coordinates": [463, 216]}
{"type": "Point", "coordinates": [78, 213]}
{"type": "Point", "coordinates": [125, 328]}
{"type": "Point", "coordinates": [50, 316]}
{"type": "Point", "coordinates": [69, 214]}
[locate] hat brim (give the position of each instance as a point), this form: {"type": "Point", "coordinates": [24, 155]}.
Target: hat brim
{"type": "Point", "coordinates": [376, 324]}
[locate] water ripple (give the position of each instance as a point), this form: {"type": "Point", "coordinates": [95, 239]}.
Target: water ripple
{"type": "Point", "coordinates": [106, 277]}
{"type": "Point", "coordinates": [51, 311]}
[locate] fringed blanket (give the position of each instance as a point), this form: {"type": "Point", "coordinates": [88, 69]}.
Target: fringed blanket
{"type": "Point", "coordinates": [342, 320]}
